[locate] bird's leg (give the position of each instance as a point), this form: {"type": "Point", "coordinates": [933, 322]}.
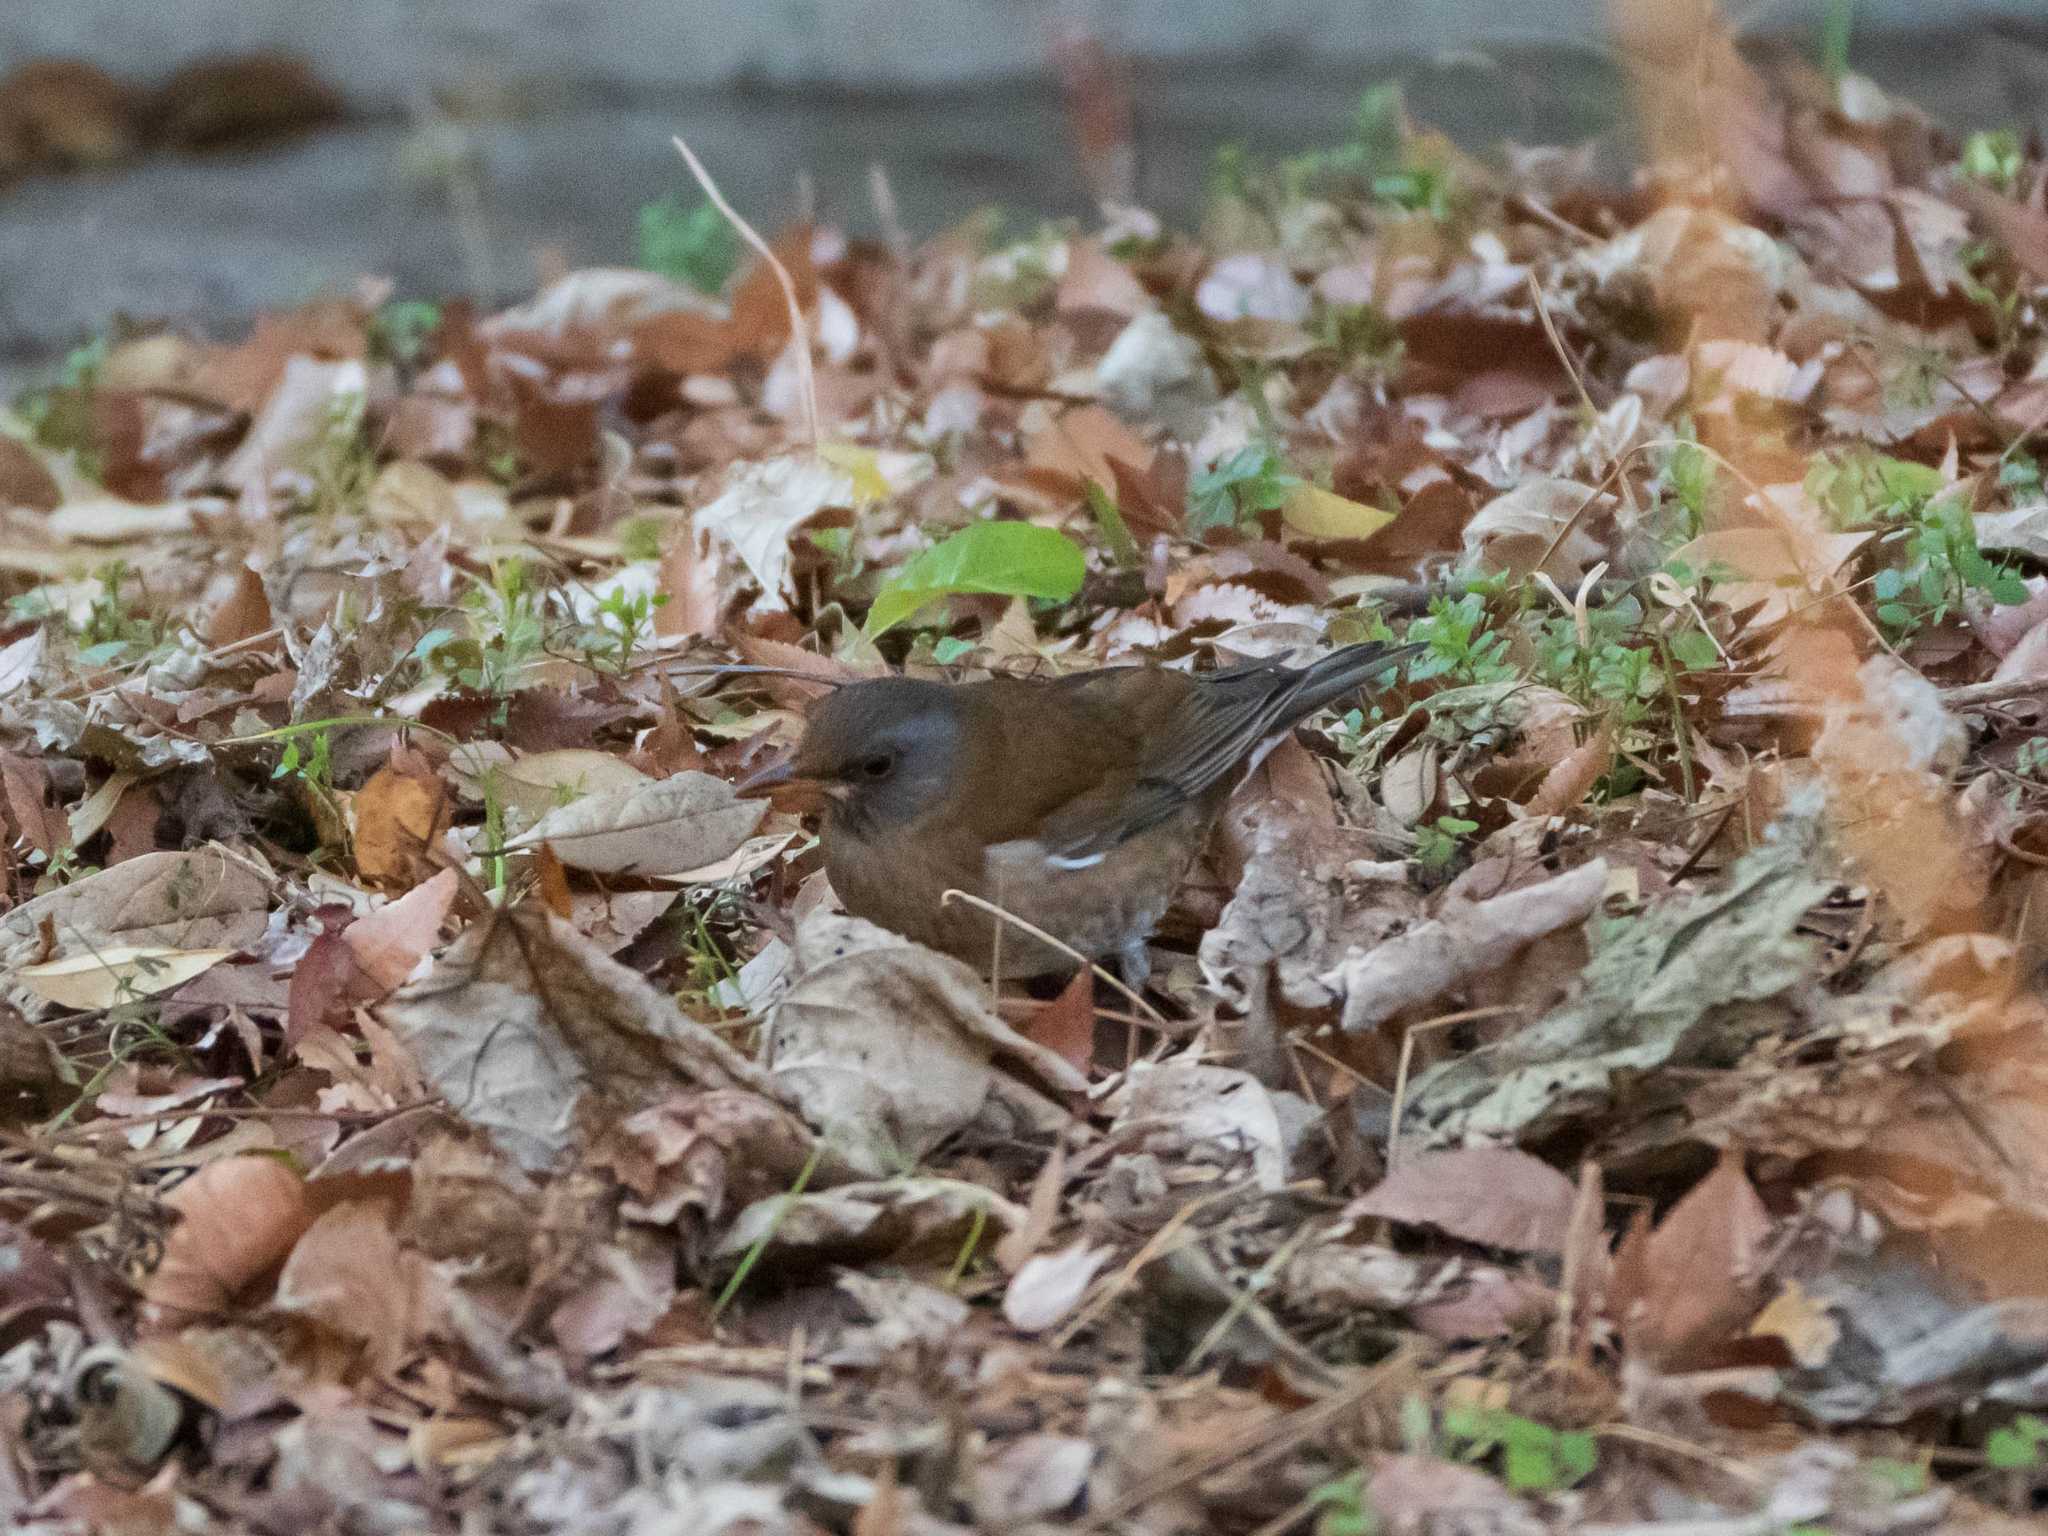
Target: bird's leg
{"type": "Point", "coordinates": [1134, 960]}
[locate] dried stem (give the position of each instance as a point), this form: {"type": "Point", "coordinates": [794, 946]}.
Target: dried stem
{"type": "Point", "coordinates": [800, 333]}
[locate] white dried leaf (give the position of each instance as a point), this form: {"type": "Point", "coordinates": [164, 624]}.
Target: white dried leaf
{"type": "Point", "coordinates": [1050, 1285]}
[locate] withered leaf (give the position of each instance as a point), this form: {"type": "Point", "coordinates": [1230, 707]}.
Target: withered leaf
{"type": "Point", "coordinates": [523, 1019]}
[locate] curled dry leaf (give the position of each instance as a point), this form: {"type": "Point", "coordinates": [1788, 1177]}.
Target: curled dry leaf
{"type": "Point", "coordinates": [660, 827]}
{"type": "Point", "coordinates": [238, 1218]}
{"type": "Point", "coordinates": [900, 1218]}
{"type": "Point", "coordinates": [117, 974]}
{"type": "Point", "coordinates": [886, 1046]}
{"type": "Point", "coordinates": [400, 815]}
{"type": "Point", "coordinates": [1642, 997]}
{"type": "Point", "coordinates": [523, 1019]}
{"type": "Point", "coordinates": [1465, 940]}
{"type": "Point", "coordinates": [349, 1274]}
{"type": "Point", "coordinates": [1687, 1284]}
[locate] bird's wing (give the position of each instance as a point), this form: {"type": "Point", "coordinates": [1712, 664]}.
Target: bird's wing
{"type": "Point", "coordinates": [1210, 732]}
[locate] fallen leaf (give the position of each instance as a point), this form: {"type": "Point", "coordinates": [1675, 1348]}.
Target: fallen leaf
{"type": "Point", "coordinates": [1321, 514]}
{"type": "Point", "coordinates": [659, 827]}
{"type": "Point", "coordinates": [121, 972]}
{"type": "Point", "coordinates": [1495, 1196]}
{"type": "Point", "coordinates": [1698, 1269]}
{"type": "Point", "coordinates": [565, 1023]}
{"type": "Point", "coordinates": [1540, 525]}
{"type": "Point", "coordinates": [1465, 939]}
{"type": "Point", "coordinates": [238, 1218]}
{"type": "Point", "coordinates": [399, 816]}
{"type": "Point", "coordinates": [348, 1273]}
{"type": "Point", "coordinates": [1045, 1291]}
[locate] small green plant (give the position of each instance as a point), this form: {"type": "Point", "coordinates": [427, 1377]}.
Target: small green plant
{"type": "Point", "coordinates": [1463, 648]}
{"type": "Point", "coordinates": [2032, 759]}
{"type": "Point", "coordinates": [400, 330]}
{"type": "Point", "coordinates": [1341, 1509]}
{"type": "Point", "coordinates": [1251, 481]}
{"type": "Point", "coordinates": [1534, 1457]}
{"type": "Point", "coordinates": [1928, 530]}
{"type": "Point", "coordinates": [112, 629]}
{"type": "Point", "coordinates": [691, 243]}
{"type": "Point", "coordinates": [1436, 843]}
{"type": "Point", "coordinates": [2020, 474]}
{"type": "Point", "coordinates": [2021, 1446]}
{"type": "Point", "coordinates": [60, 415]}
{"type": "Point", "coordinates": [506, 620]}
{"type": "Point", "coordinates": [1837, 23]}
{"type": "Point", "coordinates": [624, 620]}
{"type": "Point", "coordinates": [314, 768]}
{"type": "Point", "coordinates": [1993, 157]}
{"type": "Point", "coordinates": [1688, 474]}
{"type": "Point", "coordinates": [342, 462]}
{"type": "Point", "coordinates": [1360, 333]}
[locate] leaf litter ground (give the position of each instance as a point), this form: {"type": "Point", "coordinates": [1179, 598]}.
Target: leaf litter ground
{"type": "Point", "coordinates": [1597, 1083]}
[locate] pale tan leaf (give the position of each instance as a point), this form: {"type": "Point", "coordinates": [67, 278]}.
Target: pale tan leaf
{"type": "Point", "coordinates": [661, 827]}
{"type": "Point", "coordinates": [116, 974]}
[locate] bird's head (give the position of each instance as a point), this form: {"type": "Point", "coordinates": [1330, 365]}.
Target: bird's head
{"type": "Point", "coordinates": [883, 751]}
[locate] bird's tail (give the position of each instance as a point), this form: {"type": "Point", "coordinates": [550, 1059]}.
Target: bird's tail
{"type": "Point", "coordinates": [1325, 682]}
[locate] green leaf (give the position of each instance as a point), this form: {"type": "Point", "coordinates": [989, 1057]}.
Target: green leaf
{"type": "Point", "coordinates": [1898, 615]}
{"type": "Point", "coordinates": [1011, 559]}
{"type": "Point", "coordinates": [1694, 650]}
{"type": "Point", "coordinates": [2018, 1446]}
{"type": "Point", "coordinates": [1889, 584]}
{"type": "Point", "coordinates": [693, 245]}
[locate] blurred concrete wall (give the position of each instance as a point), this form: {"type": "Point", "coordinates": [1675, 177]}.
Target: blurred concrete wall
{"type": "Point", "coordinates": [386, 51]}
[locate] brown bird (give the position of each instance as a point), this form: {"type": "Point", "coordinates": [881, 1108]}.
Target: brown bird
{"type": "Point", "coordinates": [1076, 803]}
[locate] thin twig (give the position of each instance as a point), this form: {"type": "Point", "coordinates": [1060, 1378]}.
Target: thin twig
{"type": "Point", "coordinates": [1158, 1019]}
{"type": "Point", "coordinates": [1463, 1016]}
{"type": "Point", "coordinates": [1571, 368]}
{"type": "Point", "coordinates": [799, 332]}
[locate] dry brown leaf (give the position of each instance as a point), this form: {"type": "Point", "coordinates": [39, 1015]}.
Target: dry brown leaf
{"type": "Point", "coordinates": [565, 1023]}
{"type": "Point", "coordinates": [391, 941]}
{"type": "Point", "coordinates": [886, 1046]}
{"type": "Point", "coordinates": [399, 815]}
{"type": "Point", "coordinates": [1569, 782]}
{"type": "Point", "coordinates": [1686, 1285]}
{"type": "Point", "coordinates": [349, 1274]}
{"type": "Point", "coordinates": [1495, 1196]}
{"type": "Point", "coordinates": [24, 482]}
{"type": "Point", "coordinates": [1464, 940]}
{"type": "Point", "coordinates": [239, 1217]}
{"type": "Point", "coordinates": [1540, 525]}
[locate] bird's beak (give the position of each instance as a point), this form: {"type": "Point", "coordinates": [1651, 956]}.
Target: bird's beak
{"type": "Point", "coordinates": [782, 771]}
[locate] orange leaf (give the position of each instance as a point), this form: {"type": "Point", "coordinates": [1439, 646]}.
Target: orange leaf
{"type": "Point", "coordinates": [398, 815]}
{"type": "Point", "coordinates": [239, 1218]}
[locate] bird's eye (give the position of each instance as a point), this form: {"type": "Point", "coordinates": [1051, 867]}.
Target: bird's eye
{"type": "Point", "coordinates": [879, 765]}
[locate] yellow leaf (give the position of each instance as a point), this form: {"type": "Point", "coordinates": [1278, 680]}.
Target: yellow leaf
{"type": "Point", "coordinates": [869, 483]}
{"type": "Point", "coordinates": [1324, 514]}
{"type": "Point", "coordinates": [102, 978]}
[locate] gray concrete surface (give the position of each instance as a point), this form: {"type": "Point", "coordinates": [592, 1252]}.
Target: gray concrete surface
{"type": "Point", "coordinates": [388, 50]}
{"type": "Point", "coordinates": [210, 241]}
